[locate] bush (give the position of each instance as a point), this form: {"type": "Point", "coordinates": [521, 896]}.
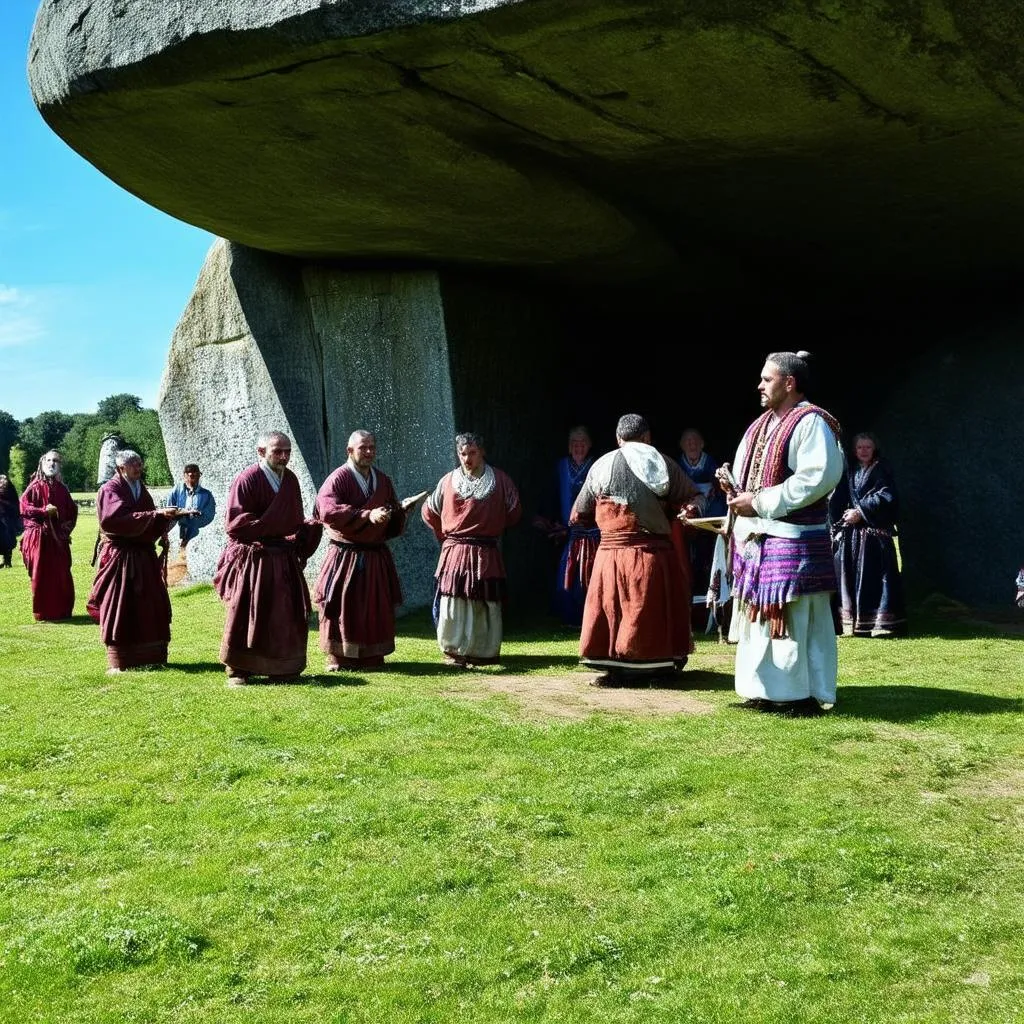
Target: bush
{"type": "Point", "coordinates": [19, 469]}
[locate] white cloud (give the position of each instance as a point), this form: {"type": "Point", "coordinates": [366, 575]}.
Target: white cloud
{"type": "Point", "coordinates": [19, 322]}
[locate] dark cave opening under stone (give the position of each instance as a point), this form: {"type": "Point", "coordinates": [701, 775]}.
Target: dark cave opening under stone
{"type": "Point", "coordinates": [531, 358]}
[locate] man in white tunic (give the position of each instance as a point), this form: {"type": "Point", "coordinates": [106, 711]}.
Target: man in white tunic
{"type": "Point", "coordinates": [469, 511]}
{"type": "Point", "coordinates": [788, 463]}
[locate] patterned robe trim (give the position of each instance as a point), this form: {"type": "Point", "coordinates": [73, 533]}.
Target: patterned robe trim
{"type": "Point", "coordinates": [770, 572]}
{"type": "Point", "coordinates": [764, 461]}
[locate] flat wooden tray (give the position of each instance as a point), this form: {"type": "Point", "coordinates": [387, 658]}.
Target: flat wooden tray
{"type": "Point", "coordinates": [713, 523]}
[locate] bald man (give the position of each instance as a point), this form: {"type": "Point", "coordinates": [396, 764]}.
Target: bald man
{"type": "Point", "coordinates": [259, 576]}
{"type": "Point", "coordinates": [358, 588]}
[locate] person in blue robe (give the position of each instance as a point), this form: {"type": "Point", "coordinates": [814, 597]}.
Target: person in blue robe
{"type": "Point", "coordinates": [700, 467]}
{"type": "Point", "coordinates": [863, 510]}
{"type": "Point", "coordinates": [578, 544]}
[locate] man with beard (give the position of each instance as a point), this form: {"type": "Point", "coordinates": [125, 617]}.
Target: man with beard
{"type": "Point", "coordinates": [788, 463]}
{"type": "Point", "coordinates": [259, 575]}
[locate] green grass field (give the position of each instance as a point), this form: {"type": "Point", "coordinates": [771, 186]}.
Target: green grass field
{"type": "Point", "coordinates": [417, 845]}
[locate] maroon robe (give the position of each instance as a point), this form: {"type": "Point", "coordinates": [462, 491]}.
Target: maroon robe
{"type": "Point", "coordinates": [46, 547]}
{"type": "Point", "coordinates": [636, 620]}
{"type": "Point", "coordinates": [358, 588]}
{"type": "Point", "coordinates": [259, 576]}
{"type": "Point", "coordinates": [129, 593]}
{"type": "Point", "coordinates": [470, 565]}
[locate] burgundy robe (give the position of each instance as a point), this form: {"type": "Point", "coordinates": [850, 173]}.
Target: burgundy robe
{"type": "Point", "coordinates": [637, 615]}
{"type": "Point", "coordinates": [129, 593]}
{"type": "Point", "coordinates": [259, 575]}
{"type": "Point", "coordinates": [470, 565]}
{"type": "Point", "coordinates": [358, 588]}
{"type": "Point", "coordinates": [46, 548]}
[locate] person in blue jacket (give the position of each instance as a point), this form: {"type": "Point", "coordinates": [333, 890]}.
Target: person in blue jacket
{"type": "Point", "coordinates": [189, 495]}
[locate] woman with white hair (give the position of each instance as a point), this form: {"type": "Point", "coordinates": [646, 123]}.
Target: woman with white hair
{"type": "Point", "coordinates": [129, 592]}
{"type": "Point", "coordinates": [50, 514]}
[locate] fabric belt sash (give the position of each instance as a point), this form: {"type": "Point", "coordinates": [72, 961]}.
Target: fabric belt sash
{"type": "Point", "coordinates": [769, 572]}
{"type": "Point", "coordinates": [124, 542]}
{"type": "Point", "coordinates": [646, 541]}
{"type": "Point", "coordinates": [353, 546]}
{"type": "Point", "coordinates": [128, 544]}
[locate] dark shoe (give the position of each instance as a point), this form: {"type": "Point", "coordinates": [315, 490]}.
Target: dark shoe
{"type": "Point", "coordinates": [237, 678]}
{"type": "Point", "coordinates": [806, 708]}
{"type": "Point", "coordinates": [608, 680]}
{"type": "Point", "coordinates": [754, 704]}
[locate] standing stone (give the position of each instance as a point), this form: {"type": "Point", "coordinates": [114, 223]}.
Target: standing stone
{"type": "Point", "coordinates": [107, 465]}
{"type": "Point", "coordinates": [270, 343]}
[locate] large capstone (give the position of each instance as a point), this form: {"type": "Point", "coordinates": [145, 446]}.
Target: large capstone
{"type": "Point", "coordinates": [515, 215]}
{"type": "Point", "coordinates": [764, 144]}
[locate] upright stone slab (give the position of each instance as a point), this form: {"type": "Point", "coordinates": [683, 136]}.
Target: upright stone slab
{"type": "Point", "coordinates": [242, 361]}
{"type": "Point", "coordinates": [385, 368]}
{"type": "Point", "coordinates": [270, 343]}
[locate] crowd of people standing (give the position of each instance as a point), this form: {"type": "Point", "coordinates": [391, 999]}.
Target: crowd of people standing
{"type": "Point", "coordinates": [805, 536]}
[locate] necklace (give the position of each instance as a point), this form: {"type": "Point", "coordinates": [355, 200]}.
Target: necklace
{"type": "Point", "coordinates": [478, 487]}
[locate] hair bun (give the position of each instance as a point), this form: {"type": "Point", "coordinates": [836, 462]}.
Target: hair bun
{"type": "Point", "coordinates": [803, 355]}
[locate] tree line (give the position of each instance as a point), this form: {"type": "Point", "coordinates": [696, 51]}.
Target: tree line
{"type": "Point", "coordinates": [78, 436]}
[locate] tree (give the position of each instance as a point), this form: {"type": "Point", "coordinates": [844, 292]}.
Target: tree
{"type": "Point", "coordinates": [20, 469]}
{"type": "Point", "coordinates": [141, 431]}
{"type": "Point", "coordinates": [81, 450]}
{"type": "Point", "coordinates": [111, 409]}
{"type": "Point", "coordinates": [38, 434]}
{"type": "Point", "coordinates": [8, 435]}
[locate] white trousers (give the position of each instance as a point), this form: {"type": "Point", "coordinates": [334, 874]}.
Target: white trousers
{"type": "Point", "coordinates": [804, 664]}
{"type": "Point", "coordinates": [469, 629]}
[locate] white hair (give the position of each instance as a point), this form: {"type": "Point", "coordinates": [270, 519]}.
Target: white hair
{"type": "Point", "coordinates": [358, 435]}
{"type": "Point", "coordinates": [271, 435]}
{"type": "Point", "coordinates": [126, 455]}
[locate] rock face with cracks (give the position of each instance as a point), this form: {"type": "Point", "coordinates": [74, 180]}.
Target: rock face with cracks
{"type": "Point", "coordinates": [704, 173]}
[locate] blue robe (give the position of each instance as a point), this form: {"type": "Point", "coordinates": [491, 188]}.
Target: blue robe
{"type": "Point", "coordinates": [570, 596]}
{"type": "Point", "coordinates": [703, 475]}
{"type": "Point", "coordinates": [700, 543]}
{"type": "Point", "coordinates": [870, 595]}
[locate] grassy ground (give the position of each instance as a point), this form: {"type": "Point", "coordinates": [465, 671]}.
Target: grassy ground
{"type": "Point", "coordinates": [414, 846]}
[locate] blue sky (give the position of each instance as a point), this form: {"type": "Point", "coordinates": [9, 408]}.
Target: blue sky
{"type": "Point", "coordinates": [92, 280]}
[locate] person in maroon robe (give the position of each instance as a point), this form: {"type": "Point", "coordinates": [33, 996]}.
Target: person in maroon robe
{"type": "Point", "coordinates": [259, 575]}
{"type": "Point", "coordinates": [636, 620]}
{"type": "Point", "coordinates": [49, 514]}
{"type": "Point", "coordinates": [469, 510]}
{"type": "Point", "coordinates": [129, 592]}
{"type": "Point", "coordinates": [358, 588]}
